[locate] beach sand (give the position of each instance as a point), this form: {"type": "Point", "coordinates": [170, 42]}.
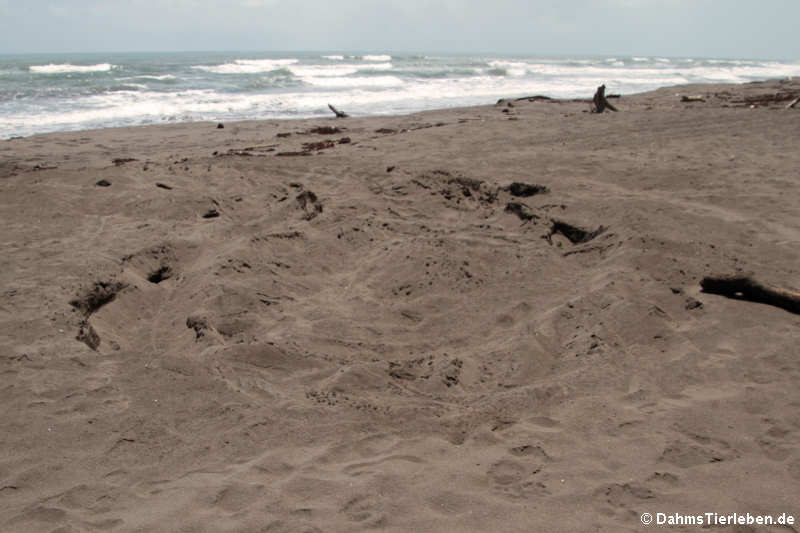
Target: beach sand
{"type": "Point", "coordinates": [385, 334]}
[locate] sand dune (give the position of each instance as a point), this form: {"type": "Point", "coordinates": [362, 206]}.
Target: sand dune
{"type": "Point", "coordinates": [254, 329]}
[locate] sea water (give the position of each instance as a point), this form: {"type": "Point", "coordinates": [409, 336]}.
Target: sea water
{"type": "Point", "coordinates": [59, 92]}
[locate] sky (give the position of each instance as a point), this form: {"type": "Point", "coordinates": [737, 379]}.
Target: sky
{"type": "Point", "coordinates": [757, 29]}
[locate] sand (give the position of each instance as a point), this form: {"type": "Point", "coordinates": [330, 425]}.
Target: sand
{"type": "Point", "coordinates": [385, 334]}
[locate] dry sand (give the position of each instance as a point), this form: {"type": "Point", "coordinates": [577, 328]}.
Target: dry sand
{"type": "Point", "coordinates": [339, 346]}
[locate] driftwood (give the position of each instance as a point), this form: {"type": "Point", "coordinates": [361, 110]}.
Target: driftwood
{"type": "Point", "coordinates": [536, 98]}
{"type": "Point", "coordinates": [792, 103]}
{"type": "Point", "coordinates": [744, 287]}
{"type": "Point", "coordinates": [600, 102]}
{"type": "Point", "coordinates": [767, 99]}
{"type": "Point", "coordinates": [697, 98]}
{"type": "Point", "coordinates": [339, 114]}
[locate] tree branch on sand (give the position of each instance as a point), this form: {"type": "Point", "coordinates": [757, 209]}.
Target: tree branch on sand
{"type": "Point", "coordinates": [599, 102]}
{"type": "Point", "coordinates": [744, 287]}
{"type": "Point", "coordinates": [339, 114]}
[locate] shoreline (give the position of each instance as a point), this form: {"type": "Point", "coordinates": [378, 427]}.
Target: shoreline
{"type": "Point", "coordinates": [685, 88]}
{"type": "Point", "coordinates": [455, 320]}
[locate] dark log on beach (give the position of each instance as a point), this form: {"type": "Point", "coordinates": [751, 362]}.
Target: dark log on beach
{"type": "Point", "coordinates": [535, 98]}
{"type": "Point", "coordinates": [339, 114]}
{"type": "Point", "coordinates": [600, 102]}
{"type": "Point", "coordinates": [744, 287]}
{"type": "Point", "coordinates": [692, 99]}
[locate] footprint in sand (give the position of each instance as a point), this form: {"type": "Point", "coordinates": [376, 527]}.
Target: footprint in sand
{"type": "Point", "coordinates": [775, 443]}
{"type": "Point", "coordinates": [516, 479]}
{"type": "Point", "coordinates": [624, 498]}
{"type": "Point", "coordinates": [687, 455]}
{"type": "Point", "coordinates": [366, 510]}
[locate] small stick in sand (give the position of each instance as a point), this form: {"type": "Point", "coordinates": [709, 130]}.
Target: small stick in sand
{"type": "Point", "coordinates": [793, 103]}
{"type": "Point", "coordinates": [600, 102]}
{"type": "Point", "coordinates": [744, 287]}
{"type": "Point", "coordinates": [339, 114]}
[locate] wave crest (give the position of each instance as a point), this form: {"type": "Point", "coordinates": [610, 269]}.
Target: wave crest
{"type": "Point", "coordinates": [247, 66]}
{"type": "Point", "coordinates": [68, 68]}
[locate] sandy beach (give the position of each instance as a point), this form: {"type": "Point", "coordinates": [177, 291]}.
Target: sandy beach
{"type": "Point", "coordinates": [473, 319]}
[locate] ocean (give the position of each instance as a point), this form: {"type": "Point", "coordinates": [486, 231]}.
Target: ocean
{"type": "Point", "coordinates": [60, 92]}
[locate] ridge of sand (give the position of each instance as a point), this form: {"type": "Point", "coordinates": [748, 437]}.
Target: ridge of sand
{"type": "Point", "coordinates": [380, 335]}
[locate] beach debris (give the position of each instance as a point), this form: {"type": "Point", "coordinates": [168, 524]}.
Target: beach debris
{"type": "Point", "coordinates": [307, 201]}
{"type": "Point", "coordinates": [284, 135]}
{"type": "Point", "coordinates": [389, 169]}
{"type": "Point", "coordinates": [466, 184]}
{"type": "Point", "coordinates": [119, 161]}
{"type": "Point", "coordinates": [92, 299]}
{"type": "Point", "coordinates": [745, 287]}
{"type": "Point", "coordinates": [211, 213]}
{"type": "Point", "coordinates": [575, 234]}
{"type": "Point", "coordinates": [246, 152]}
{"type": "Point", "coordinates": [600, 102]}
{"type": "Point", "coordinates": [525, 189]}
{"type": "Point", "coordinates": [339, 114]}
{"type": "Point", "coordinates": [316, 146]}
{"type": "Point", "coordinates": [536, 98]}
{"type": "Point", "coordinates": [286, 235]}
{"type": "Point", "coordinates": [98, 295]}
{"type": "Point", "coordinates": [163, 186]}
{"type": "Point", "coordinates": [200, 326]}
{"type": "Point", "coordinates": [769, 98]}
{"type": "Point", "coordinates": [345, 140]}
{"type": "Point", "coordinates": [220, 126]}
{"type": "Point", "coordinates": [521, 210]}
{"type": "Point", "coordinates": [88, 335]}
{"type": "Point", "coordinates": [695, 98]}
{"type": "Point", "coordinates": [385, 131]}
{"type": "Point", "coordinates": [325, 130]}
{"type": "Point", "coordinates": [692, 303]}
{"type": "Point", "coordinates": [293, 153]}
{"type": "Point", "coordinates": [792, 103]}
{"type": "Point", "coordinates": [103, 183]}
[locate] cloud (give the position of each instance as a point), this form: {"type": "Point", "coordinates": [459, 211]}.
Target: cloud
{"type": "Point", "coordinates": [620, 27]}
{"type": "Point", "coordinates": [257, 3]}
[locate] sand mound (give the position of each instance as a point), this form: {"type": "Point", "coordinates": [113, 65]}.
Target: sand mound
{"type": "Point", "coordinates": [451, 322]}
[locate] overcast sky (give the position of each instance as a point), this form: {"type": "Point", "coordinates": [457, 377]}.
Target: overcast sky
{"type": "Point", "coordinates": [698, 28]}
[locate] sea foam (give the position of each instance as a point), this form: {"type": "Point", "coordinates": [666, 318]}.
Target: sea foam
{"type": "Point", "coordinates": [247, 66]}
{"type": "Point", "coordinates": [67, 68]}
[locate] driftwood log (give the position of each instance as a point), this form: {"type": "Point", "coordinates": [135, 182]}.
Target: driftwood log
{"type": "Point", "coordinates": [696, 98]}
{"type": "Point", "coordinates": [600, 102]}
{"type": "Point", "coordinates": [744, 287]}
{"type": "Point", "coordinates": [339, 114]}
{"type": "Point", "coordinates": [792, 103]}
